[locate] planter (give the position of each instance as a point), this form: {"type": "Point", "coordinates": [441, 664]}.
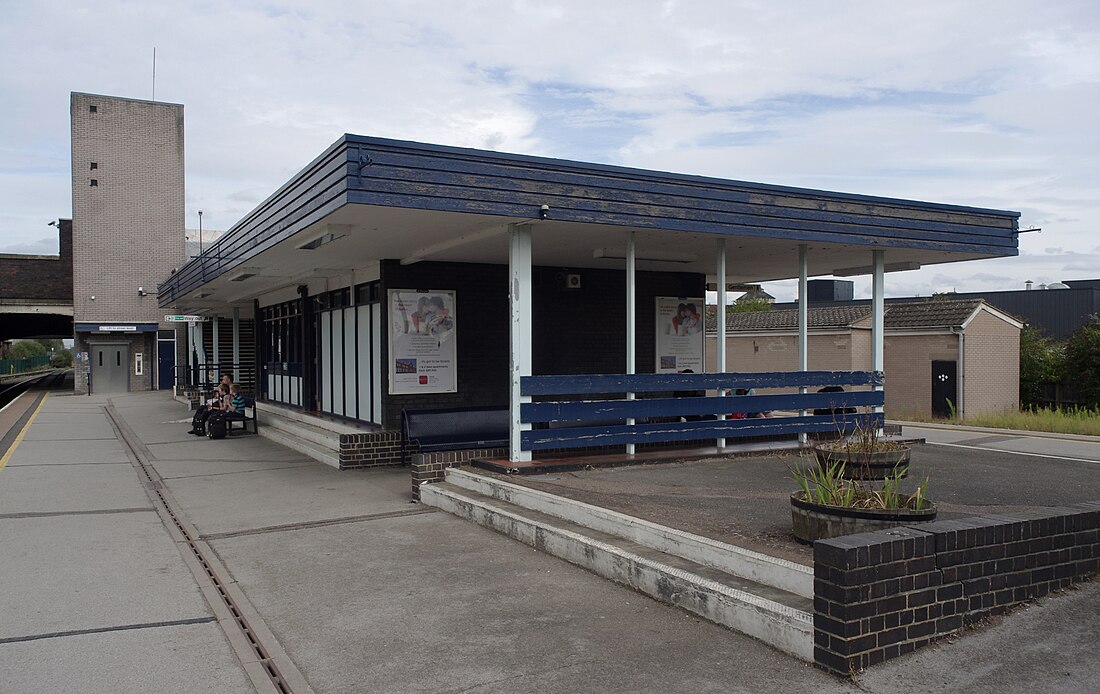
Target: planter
{"type": "Point", "coordinates": [859, 465]}
{"type": "Point", "coordinates": [819, 522]}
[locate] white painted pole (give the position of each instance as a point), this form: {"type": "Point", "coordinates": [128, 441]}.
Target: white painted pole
{"type": "Point", "coordinates": [720, 317]}
{"type": "Point", "coordinates": [803, 325]}
{"type": "Point", "coordinates": [631, 328]}
{"type": "Point", "coordinates": [236, 345]}
{"type": "Point", "coordinates": [519, 306]}
{"type": "Point", "coordinates": [217, 348]}
{"type": "Point", "coordinates": [878, 306]}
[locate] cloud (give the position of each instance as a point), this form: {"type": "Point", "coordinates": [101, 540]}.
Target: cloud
{"type": "Point", "coordinates": [984, 104]}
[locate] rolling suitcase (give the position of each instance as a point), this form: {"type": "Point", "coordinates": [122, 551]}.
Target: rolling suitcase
{"type": "Point", "coordinates": [215, 425]}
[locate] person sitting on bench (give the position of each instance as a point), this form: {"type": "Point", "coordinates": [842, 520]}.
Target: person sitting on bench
{"type": "Point", "coordinates": [237, 403]}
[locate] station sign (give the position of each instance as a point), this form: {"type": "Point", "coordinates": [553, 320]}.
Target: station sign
{"type": "Point", "coordinates": [185, 319]}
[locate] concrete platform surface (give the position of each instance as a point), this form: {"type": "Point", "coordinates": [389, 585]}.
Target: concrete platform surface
{"type": "Point", "coordinates": [366, 591]}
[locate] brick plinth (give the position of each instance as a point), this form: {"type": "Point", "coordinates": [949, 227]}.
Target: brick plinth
{"type": "Point", "coordinates": [370, 449]}
{"type": "Point", "coordinates": [430, 467]}
{"type": "Point", "coordinates": [883, 594]}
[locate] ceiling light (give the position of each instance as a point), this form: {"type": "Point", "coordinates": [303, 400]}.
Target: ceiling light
{"type": "Point", "coordinates": [320, 241]}
{"type": "Point", "coordinates": [868, 269]}
{"type": "Point", "coordinates": [662, 256]}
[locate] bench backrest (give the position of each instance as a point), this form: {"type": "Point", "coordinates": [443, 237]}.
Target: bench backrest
{"type": "Point", "coordinates": [455, 425]}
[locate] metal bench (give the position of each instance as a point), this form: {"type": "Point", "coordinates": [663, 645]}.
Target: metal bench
{"type": "Point", "coordinates": [454, 429]}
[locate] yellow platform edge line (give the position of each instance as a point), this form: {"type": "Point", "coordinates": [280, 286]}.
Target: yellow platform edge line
{"type": "Point", "coordinates": [19, 439]}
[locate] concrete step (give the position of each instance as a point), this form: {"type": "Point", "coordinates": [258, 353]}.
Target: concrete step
{"type": "Point", "coordinates": [327, 454]}
{"type": "Point", "coordinates": [317, 435]}
{"type": "Point", "coordinates": [755, 566]}
{"type": "Point", "coordinates": [775, 616]}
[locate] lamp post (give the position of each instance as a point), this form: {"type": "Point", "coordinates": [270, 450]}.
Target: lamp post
{"type": "Point", "coordinates": [200, 232]}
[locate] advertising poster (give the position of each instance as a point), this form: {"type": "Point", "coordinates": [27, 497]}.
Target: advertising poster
{"type": "Point", "coordinates": [679, 334]}
{"type": "Point", "coordinates": [422, 342]}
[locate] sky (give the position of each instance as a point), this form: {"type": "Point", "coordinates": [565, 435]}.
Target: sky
{"type": "Point", "coordinates": [982, 103]}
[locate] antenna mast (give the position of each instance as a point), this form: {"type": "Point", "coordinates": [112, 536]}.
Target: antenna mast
{"type": "Point", "coordinates": [154, 73]}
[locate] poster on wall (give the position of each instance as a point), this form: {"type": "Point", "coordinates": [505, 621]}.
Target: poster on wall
{"type": "Point", "coordinates": [423, 357]}
{"type": "Point", "coordinates": [679, 334]}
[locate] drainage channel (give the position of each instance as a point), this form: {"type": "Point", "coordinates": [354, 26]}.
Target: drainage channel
{"type": "Point", "coordinates": [167, 510]}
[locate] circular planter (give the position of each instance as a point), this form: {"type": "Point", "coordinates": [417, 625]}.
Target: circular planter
{"type": "Point", "coordinates": [859, 465]}
{"type": "Point", "coordinates": [819, 522]}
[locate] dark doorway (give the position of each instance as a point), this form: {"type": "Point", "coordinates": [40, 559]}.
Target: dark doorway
{"type": "Point", "coordinates": [945, 390]}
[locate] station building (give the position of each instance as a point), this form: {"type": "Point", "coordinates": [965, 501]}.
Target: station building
{"type": "Point", "coordinates": [391, 275]}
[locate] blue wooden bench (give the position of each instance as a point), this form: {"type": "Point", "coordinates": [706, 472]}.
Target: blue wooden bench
{"type": "Point", "coordinates": [562, 401]}
{"type": "Point", "coordinates": [454, 429]}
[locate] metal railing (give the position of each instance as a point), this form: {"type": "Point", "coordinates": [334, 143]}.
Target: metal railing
{"type": "Point", "coordinates": [204, 377]}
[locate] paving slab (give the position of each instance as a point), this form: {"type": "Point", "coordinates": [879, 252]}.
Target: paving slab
{"type": "Point", "coordinates": [279, 496]}
{"type": "Point", "coordinates": [56, 488]}
{"type": "Point", "coordinates": [175, 469]}
{"type": "Point", "coordinates": [430, 603]}
{"type": "Point", "coordinates": [183, 658]}
{"type": "Point", "coordinates": [61, 452]}
{"type": "Point", "coordinates": [87, 571]}
{"type": "Point", "coordinates": [69, 426]}
{"type": "Point", "coordinates": [246, 447]}
{"type": "Point", "coordinates": [1045, 646]}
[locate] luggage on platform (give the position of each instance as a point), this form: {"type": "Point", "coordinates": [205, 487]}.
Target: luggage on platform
{"type": "Point", "coordinates": [215, 425]}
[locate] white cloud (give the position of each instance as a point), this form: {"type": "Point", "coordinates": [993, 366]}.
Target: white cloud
{"type": "Point", "coordinates": [983, 103]}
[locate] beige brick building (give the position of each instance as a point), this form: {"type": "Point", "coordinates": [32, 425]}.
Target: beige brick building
{"type": "Point", "coordinates": [965, 352]}
{"type": "Point", "coordinates": [128, 234]}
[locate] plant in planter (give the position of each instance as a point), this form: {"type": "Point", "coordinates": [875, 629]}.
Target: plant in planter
{"type": "Point", "coordinates": [830, 503]}
{"type": "Point", "coordinates": [865, 455]}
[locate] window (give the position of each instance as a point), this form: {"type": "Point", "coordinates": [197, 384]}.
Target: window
{"type": "Point", "coordinates": [95, 165]}
{"type": "Point", "coordinates": [94, 182]}
{"type": "Point", "coordinates": [92, 108]}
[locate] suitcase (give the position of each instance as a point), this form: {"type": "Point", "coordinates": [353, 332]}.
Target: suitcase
{"type": "Point", "coordinates": [197, 420]}
{"type": "Point", "coordinates": [215, 425]}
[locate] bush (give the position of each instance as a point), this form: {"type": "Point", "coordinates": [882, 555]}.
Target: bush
{"type": "Point", "coordinates": [62, 359]}
{"type": "Point", "coordinates": [1082, 361]}
{"type": "Point", "coordinates": [1042, 361]}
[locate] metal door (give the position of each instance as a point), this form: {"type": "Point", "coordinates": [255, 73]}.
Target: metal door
{"type": "Point", "coordinates": [945, 390]}
{"type": "Point", "coordinates": [110, 368]}
{"type": "Point", "coordinates": [166, 359]}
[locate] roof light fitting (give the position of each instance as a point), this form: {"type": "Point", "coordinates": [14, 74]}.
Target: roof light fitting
{"type": "Point", "coordinates": [321, 240]}
{"type": "Point", "coordinates": [661, 256]}
{"type": "Point", "coordinates": [868, 269]}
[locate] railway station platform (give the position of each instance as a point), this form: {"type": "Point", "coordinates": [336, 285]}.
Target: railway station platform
{"type": "Point", "coordinates": [139, 558]}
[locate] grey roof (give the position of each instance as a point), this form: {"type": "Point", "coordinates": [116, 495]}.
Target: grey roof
{"type": "Point", "coordinates": [922, 314]}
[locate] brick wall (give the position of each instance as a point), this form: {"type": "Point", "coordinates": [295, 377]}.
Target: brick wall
{"type": "Point", "coordinates": [908, 367]}
{"type": "Point", "coordinates": [883, 594]}
{"type": "Point", "coordinates": [430, 467]}
{"type": "Point", "coordinates": [128, 229]}
{"type": "Point", "coordinates": [40, 277]}
{"type": "Point", "coordinates": [145, 343]}
{"type": "Point", "coordinates": [991, 372]}
{"type": "Point", "coordinates": [370, 449]}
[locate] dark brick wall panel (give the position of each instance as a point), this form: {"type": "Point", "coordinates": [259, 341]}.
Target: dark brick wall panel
{"type": "Point", "coordinates": [431, 467]}
{"type": "Point", "coordinates": [39, 278]}
{"type": "Point", "coordinates": [575, 331]}
{"type": "Point", "coordinates": [883, 594]}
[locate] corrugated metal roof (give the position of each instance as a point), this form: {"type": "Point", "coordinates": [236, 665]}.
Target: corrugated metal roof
{"type": "Point", "coordinates": [923, 314]}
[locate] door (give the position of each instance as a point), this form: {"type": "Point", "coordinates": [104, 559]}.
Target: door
{"type": "Point", "coordinates": [945, 390]}
{"type": "Point", "coordinates": [166, 359]}
{"type": "Point", "coordinates": [110, 369]}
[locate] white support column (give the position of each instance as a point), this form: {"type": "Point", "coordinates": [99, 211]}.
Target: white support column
{"type": "Point", "coordinates": [216, 359]}
{"type": "Point", "coordinates": [803, 324]}
{"type": "Point", "coordinates": [236, 345]}
{"type": "Point", "coordinates": [519, 306]}
{"type": "Point", "coordinates": [878, 305]}
{"type": "Point", "coordinates": [720, 317]}
{"type": "Point", "coordinates": [200, 354]}
{"type": "Point", "coordinates": [631, 327]}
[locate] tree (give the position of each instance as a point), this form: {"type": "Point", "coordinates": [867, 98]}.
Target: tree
{"type": "Point", "coordinates": [27, 348]}
{"type": "Point", "coordinates": [1042, 361]}
{"type": "Point", "coordinates": [1083, 361]}
{"type": "Point", "coordinates": [750, 305]}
